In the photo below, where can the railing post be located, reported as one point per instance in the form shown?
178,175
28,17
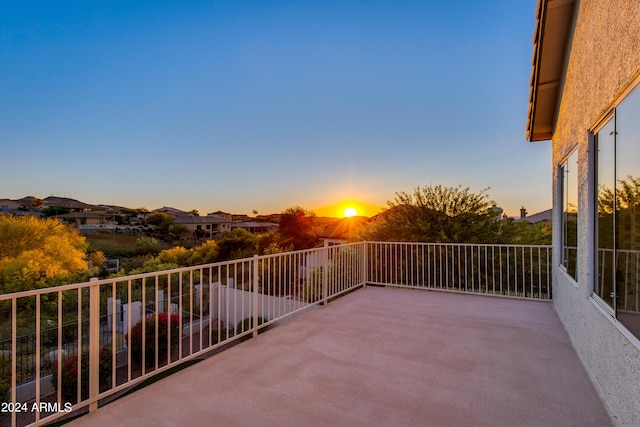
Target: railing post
255,295
14,371
94,344
365,264
325,274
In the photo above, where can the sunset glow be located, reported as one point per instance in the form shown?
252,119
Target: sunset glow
343,209
349,212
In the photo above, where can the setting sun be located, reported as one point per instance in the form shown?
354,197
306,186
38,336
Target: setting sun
348,208
349,212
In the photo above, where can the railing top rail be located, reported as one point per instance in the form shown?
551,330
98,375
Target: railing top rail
123,279
502,245
306,251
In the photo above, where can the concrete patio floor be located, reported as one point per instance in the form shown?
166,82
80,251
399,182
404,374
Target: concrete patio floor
382,357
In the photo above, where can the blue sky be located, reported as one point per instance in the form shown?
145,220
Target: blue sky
243,105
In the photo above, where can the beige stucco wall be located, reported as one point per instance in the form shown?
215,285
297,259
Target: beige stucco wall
604,62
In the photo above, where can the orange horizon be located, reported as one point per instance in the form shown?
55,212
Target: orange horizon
337,210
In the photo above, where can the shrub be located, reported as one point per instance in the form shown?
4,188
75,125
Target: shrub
5,391
135,343
22,376
69,381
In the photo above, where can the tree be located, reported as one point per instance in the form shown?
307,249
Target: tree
37,203
205,253
238,243
438,214
267,243
147,246
524,233
176,255
96,258
35,251
153,264
158,218
54,211
623,201
166,228
297,228
131,214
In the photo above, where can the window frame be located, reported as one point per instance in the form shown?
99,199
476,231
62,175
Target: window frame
593,202
563,168
610,117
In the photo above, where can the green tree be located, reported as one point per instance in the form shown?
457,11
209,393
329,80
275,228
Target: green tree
238,243
524,233
166,228
625,200
54,210
177,230
205,253
129,214
297,228
438,214
267,243
147,245
153,264
158,218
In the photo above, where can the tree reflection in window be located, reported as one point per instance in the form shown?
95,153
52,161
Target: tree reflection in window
569,171
618,212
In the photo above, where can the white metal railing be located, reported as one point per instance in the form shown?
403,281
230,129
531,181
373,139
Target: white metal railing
627,277
507,270
165,318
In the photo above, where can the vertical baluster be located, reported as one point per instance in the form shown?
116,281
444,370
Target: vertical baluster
14,373
144,325
114,330
129,289
94,345
156,321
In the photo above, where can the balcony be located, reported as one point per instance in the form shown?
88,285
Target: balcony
349,338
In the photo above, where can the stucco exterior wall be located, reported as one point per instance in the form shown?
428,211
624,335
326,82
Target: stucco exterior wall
604,61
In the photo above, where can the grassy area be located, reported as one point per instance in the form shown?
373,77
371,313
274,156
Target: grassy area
112,244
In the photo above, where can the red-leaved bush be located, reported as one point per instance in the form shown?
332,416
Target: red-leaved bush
164,347
69,381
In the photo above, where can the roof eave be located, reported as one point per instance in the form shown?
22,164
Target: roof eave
553,27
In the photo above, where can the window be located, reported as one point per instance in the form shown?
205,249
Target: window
617,216
569,190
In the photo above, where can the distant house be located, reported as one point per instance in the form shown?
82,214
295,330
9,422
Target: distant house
71,204
82,215
90,219
8,206
256,227
223,215
204,226
171,211
585,98
544,216
333,242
